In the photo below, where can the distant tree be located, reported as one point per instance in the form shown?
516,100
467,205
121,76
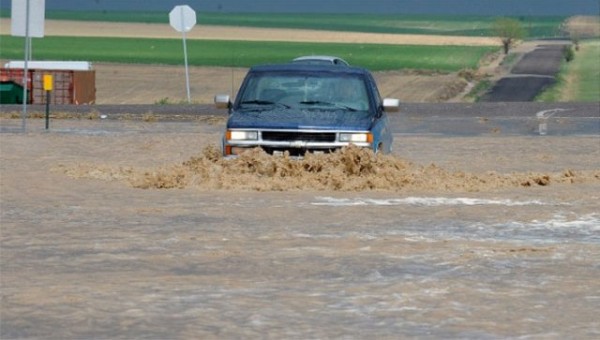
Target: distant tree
568,53
575,38
509,31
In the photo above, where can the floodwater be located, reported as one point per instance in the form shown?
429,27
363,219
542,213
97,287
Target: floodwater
87,254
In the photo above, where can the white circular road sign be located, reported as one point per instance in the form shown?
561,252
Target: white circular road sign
182,18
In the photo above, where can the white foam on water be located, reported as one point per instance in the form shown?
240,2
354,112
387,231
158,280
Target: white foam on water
422,201
588,222
559,228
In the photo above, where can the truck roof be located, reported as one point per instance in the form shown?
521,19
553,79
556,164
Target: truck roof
308,68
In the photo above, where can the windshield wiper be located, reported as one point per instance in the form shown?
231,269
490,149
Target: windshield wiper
263,102
324,103
317,102
258,102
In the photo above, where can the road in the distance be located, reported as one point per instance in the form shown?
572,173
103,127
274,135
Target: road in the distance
512,118
530,76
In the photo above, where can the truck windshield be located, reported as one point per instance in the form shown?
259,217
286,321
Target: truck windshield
301,90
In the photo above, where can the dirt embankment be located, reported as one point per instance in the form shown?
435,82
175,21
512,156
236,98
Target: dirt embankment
161,84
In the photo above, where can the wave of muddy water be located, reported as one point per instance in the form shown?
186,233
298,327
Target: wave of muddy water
474,237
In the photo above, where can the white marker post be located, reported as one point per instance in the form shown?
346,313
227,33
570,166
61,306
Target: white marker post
183,18
543,117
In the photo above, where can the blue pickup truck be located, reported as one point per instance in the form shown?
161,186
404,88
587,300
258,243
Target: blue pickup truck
303,107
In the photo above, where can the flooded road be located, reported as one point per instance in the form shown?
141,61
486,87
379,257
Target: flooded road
94,257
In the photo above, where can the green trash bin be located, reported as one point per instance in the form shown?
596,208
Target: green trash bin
11,93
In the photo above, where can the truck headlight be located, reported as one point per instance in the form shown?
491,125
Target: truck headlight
356,137
241,135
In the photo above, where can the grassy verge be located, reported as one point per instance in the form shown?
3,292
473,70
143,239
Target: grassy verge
578,80
244,53
480,88
406,24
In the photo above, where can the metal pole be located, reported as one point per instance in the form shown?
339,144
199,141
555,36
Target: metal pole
47,110
25,75
30,48
187,76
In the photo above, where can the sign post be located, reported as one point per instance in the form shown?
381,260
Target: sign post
183,18
27,20
48,87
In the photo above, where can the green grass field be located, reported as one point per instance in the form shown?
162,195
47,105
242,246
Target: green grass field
578,80
240,53
244,53
587,70
408,24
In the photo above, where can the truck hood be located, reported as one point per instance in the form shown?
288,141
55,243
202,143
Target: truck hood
294,119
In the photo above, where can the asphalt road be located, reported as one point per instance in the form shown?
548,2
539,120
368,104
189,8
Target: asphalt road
505,118
531,75
451,119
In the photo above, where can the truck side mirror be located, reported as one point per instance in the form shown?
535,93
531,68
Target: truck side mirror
391,105
222,101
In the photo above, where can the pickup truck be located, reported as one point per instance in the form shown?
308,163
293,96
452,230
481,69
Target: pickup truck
299,108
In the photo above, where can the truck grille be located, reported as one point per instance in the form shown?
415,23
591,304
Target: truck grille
287,136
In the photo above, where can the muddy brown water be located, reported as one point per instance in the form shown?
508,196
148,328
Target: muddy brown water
488,236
